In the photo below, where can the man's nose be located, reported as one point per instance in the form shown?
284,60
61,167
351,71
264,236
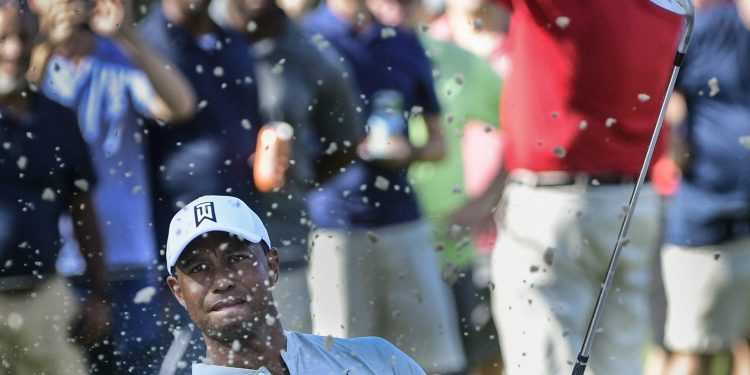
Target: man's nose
223,280
11,48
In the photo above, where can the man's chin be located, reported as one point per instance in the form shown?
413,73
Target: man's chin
228,329
10,84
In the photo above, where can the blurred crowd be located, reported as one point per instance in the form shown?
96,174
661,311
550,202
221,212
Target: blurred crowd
455,180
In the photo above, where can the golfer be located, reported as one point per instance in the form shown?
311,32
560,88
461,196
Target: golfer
222,270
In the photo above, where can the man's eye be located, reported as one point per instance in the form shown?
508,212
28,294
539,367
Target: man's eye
238,258
199,268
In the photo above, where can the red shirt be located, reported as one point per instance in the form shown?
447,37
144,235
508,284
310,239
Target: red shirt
587,81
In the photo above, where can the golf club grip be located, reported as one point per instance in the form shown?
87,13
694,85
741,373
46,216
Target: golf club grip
580,366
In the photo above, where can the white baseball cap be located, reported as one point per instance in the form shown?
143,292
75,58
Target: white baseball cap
212,213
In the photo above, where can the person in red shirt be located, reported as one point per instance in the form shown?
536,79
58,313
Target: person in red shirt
578,110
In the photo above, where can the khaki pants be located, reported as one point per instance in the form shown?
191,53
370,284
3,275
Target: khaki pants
34,329
708,296
385,282
553,250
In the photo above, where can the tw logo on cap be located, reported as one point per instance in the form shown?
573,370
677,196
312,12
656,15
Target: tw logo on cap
204,211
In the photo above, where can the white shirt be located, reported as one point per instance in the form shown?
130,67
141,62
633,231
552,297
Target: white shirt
311,354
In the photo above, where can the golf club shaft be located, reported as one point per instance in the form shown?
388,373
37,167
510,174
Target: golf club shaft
583,355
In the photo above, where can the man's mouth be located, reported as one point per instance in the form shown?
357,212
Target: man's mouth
227,303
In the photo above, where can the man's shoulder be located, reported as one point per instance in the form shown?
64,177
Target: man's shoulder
332,342
373,352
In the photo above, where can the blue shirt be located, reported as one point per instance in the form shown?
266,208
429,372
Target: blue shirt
712,204
311,354
43,163
381,58
207,155
109,94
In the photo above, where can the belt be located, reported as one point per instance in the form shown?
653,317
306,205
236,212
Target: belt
542,179
21,283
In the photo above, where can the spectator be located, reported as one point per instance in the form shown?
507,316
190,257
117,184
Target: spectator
297,86
44,171
578,111
370,240
100,67
208,154
468,90
223,268
707,251
479,26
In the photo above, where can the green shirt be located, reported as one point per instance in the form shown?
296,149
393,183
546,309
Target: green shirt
468,89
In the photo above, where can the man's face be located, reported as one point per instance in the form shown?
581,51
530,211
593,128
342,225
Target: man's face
194,6
224,283
469,6
251,10
393,12
15,47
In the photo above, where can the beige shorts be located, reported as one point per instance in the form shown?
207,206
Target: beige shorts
385,282
708,296
553,250
34,332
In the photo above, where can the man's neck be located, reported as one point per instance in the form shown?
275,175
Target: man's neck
270,25
16,103
353,12
196,23
487,20
79,45
262,350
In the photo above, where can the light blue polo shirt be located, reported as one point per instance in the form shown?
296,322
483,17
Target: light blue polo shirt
311,354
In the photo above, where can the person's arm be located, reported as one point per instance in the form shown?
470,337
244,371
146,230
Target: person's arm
176,100
96,311
476,212
55,29
679,146
434,149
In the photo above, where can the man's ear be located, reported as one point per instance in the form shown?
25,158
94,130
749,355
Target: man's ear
273,265
174,287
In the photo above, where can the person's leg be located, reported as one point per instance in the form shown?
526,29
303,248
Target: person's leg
658,356
343,284
42,324
8,335
417,312
540,290
684,363
478,331
707,293
553,250
622,338
136,334
741,357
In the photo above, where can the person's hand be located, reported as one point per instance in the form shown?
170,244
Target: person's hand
65,18
277,174
112,18
472,216
94,322
400,154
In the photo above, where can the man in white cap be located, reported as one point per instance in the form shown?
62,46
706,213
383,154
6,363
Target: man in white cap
222,270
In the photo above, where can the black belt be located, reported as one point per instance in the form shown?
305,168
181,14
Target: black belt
542,179
22,283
